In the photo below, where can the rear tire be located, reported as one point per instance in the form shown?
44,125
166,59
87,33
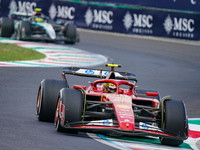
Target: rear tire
72,101
6,27
70,33
24,30
47,99
175,121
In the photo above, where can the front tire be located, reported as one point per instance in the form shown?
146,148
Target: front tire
6,27
47,99
70,32
175,121
69,109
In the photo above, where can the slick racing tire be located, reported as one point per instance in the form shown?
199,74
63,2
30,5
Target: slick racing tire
6,27
47,99
69,109
70,33
24,30
174,121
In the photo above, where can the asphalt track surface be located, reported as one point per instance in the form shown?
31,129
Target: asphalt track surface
171,67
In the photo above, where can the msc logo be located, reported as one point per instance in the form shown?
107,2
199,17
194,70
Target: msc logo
137,20
183,24
98,16
142,20
22,7
193,2
64,12
140,23
178,24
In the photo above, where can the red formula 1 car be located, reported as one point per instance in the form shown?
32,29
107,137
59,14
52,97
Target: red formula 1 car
112,105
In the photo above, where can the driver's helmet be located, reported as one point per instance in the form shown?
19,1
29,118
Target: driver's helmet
37,12
38,15
38,19
109,88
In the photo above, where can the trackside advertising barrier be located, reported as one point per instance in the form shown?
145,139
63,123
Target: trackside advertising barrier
112,18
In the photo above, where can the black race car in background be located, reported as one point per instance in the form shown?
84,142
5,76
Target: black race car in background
38,27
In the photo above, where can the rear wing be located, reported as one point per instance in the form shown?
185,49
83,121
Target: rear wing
98,73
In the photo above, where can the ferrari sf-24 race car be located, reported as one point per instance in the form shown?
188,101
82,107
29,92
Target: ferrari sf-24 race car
111,105
37,27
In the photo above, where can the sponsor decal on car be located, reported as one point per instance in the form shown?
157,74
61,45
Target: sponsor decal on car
89,72
106,73
146,126
108,122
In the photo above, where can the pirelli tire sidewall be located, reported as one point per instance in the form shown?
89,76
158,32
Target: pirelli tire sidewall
48,95
70,32
175,121
72,99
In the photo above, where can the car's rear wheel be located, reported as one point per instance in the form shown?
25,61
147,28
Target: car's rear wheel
175,121
69,109
24,30
70,33
47,99
6,27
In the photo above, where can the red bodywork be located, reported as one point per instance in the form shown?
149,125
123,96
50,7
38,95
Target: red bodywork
126,103
122,101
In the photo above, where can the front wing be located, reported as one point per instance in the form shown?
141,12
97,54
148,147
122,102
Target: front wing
45,37
141,129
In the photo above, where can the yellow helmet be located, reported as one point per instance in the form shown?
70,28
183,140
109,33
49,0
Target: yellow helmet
109,88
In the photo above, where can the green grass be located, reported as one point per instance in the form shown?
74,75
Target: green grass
12,52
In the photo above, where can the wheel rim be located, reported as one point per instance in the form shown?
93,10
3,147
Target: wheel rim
57,111
38,101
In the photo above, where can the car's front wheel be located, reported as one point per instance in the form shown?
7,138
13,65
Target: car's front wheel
174,120
6,27
69,109
70,32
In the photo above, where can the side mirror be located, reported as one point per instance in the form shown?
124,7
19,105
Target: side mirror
121,91
152,94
